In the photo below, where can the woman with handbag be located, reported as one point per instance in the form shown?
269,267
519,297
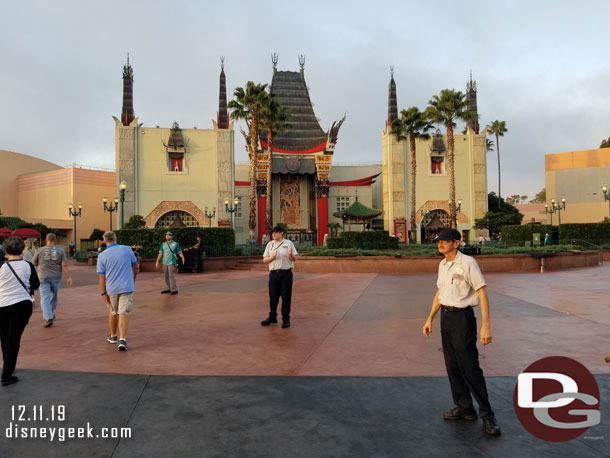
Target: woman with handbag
18,280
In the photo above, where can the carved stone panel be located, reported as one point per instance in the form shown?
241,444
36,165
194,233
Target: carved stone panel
290,200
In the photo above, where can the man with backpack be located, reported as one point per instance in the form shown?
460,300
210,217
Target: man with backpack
168,257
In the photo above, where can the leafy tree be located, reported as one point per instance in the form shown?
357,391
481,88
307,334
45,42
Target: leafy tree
540,197
412,125
500,214
498,128
135,222
446,108
249,105
605,143
97,234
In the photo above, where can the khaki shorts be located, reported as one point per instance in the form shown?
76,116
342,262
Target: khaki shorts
120,304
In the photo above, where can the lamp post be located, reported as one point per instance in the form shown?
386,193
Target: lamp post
211,215
75,213
122,188
606,197
110,208
555,208
231,209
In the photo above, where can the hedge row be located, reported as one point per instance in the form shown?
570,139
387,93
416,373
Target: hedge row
582,231
366,240
185,236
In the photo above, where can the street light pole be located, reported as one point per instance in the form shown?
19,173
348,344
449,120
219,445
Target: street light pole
74,214
555,208
209,216
110,208
122,188
231,209
607,197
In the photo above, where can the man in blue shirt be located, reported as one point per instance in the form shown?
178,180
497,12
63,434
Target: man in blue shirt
117,268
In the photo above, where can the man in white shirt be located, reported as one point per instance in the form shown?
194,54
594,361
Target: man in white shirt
460,288
280,255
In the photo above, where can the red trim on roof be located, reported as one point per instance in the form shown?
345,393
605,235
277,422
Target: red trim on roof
315,149
367,181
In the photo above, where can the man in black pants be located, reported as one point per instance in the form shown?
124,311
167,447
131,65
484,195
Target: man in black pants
460,287
280,255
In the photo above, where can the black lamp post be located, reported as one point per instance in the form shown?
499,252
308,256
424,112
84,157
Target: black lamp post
231,209
555,208
607,197
122,188
110,208
211,215
74,213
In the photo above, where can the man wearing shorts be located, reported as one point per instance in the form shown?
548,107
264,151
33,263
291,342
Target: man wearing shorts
117,268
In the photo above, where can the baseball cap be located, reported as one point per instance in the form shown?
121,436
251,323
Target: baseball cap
278,229
449,234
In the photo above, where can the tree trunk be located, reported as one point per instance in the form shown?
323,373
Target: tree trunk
268,217
253,148
450,159
498,151
413,237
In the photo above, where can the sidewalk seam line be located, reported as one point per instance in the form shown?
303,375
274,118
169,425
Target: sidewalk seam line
131,414
296,370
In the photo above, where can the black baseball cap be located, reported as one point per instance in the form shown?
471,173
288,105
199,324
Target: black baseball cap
449,234
278,229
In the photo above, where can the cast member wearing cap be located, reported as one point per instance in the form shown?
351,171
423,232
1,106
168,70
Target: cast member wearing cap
168,255
280,255
460,288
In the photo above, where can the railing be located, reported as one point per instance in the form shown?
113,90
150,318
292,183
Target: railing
587,243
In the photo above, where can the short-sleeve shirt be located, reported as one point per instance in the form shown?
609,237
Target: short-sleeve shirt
115,263
282,261
49,259
459,281
11,290
168,257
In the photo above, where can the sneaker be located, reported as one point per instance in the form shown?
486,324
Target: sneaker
122,344
491,427
165,291
48,324
286,324
112,339
10,380
458,413
269,321
174,292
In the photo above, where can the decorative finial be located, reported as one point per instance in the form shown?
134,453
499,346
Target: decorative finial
302,61
274,59
391,71
127,58
222,62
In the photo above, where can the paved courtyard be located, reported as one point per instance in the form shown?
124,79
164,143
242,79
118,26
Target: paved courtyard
203,378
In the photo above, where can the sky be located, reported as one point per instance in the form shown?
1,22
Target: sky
542,66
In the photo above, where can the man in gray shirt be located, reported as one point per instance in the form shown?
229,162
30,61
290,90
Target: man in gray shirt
51,261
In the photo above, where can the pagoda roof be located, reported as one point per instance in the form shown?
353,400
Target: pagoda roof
305,135
357,210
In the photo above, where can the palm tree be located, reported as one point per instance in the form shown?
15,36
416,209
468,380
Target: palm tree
446,108
275,120
489,145
249,104
498,128
413,124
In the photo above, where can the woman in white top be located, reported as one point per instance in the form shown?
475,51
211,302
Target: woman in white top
28,252
18,280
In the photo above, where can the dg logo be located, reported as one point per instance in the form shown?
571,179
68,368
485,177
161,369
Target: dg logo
557,399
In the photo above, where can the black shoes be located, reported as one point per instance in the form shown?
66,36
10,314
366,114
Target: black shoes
286,324
174,292
9,381
491,427
269,321
458,413
165,291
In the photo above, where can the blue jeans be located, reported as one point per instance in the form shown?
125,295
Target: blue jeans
48,297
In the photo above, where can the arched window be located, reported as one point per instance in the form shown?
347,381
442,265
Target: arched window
177,218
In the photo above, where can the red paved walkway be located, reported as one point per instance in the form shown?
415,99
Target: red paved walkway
343,324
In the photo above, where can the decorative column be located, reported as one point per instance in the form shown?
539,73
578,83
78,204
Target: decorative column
322,188
261,210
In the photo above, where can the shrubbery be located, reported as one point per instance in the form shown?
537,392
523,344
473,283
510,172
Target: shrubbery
366,240
577,231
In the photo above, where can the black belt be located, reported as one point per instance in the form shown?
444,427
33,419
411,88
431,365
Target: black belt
448,308
280,270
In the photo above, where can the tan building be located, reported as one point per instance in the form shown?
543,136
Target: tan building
432,181
533,213
578,176
44,195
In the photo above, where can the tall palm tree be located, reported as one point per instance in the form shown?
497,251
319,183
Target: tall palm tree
275,120
249,104
446,108
413,124
498,128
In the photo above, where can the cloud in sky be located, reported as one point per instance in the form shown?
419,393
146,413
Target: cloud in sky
540,66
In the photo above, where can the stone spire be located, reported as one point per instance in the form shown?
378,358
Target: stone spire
127,114
392,101
471,97
222,117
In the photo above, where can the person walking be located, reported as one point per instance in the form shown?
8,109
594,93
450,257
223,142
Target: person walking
18,281
51,261
280,254
117,268
460,288
28,252
168,257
